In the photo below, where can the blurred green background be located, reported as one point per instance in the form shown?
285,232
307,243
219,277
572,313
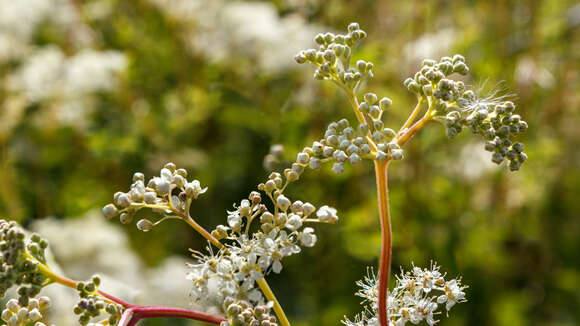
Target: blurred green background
91,91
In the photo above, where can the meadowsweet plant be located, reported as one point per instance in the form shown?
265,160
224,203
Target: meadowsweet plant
228,276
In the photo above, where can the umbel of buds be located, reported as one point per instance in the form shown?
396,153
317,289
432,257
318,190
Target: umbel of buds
333,57
91,305
170,192
242,313
19,258
17,315
456,107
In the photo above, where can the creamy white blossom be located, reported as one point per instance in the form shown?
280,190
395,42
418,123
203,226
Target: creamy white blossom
415,297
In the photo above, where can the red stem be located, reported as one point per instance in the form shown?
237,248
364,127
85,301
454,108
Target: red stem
115,299
132,315
386,243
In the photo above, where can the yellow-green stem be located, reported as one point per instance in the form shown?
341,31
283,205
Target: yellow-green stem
413,115
203,232
270,296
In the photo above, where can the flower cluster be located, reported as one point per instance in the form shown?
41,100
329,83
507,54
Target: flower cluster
241,313
91,304
250,253
416,297
457,107
19,315
20,256
333,57
344,144
430,79
168,193
497,123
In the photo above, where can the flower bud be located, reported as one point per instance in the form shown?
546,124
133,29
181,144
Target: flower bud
109,211
138,176
371,98
397,154
283,202
315,163
338,168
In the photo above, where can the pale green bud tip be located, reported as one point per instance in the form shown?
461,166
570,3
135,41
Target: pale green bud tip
385,102
144,225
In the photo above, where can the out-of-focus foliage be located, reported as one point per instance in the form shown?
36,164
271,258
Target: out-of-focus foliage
91,91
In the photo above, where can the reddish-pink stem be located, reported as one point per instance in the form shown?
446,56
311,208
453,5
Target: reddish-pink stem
386,235
135,313
115,299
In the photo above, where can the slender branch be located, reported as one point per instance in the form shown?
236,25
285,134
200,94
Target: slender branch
413,115
203,232
413,130
50,274
270,296
132,315
386,242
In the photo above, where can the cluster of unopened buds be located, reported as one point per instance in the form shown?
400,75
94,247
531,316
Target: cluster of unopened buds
333,56
17,315
242,313
20,255
344,144
168,193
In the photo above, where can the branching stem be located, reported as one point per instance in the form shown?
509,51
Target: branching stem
132,315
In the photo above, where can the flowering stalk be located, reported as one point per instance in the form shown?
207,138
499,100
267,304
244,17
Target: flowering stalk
53,277
386,239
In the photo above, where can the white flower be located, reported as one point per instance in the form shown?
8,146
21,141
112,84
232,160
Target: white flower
294,222
412,299
327,214
308,238
194,189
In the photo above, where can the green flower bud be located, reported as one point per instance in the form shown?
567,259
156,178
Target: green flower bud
364,107
125,218
497,158
319,39
358,141
374,111
302,158
344,144
353,27
381,156
340,156
352,149
327,151
354,158
385,102
460,68
371,98
397,154
365,149
389,133
458,58
343,123
338,168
